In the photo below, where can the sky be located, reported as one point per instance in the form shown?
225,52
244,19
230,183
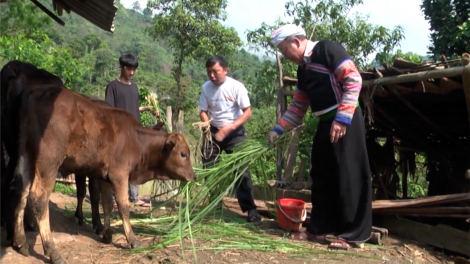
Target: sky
249,14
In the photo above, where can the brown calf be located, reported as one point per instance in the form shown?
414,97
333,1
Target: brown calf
65,131
94,189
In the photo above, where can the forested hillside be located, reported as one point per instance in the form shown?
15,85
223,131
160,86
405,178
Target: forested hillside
87,57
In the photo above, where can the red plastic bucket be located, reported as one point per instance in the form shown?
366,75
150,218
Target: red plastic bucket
291,213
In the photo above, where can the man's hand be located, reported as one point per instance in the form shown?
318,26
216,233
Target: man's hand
223,132
337,131
156,113
272,136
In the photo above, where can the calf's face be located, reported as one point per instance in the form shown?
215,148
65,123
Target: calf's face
176,160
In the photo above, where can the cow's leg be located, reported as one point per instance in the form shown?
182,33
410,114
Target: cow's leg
21,185
122,196
29,219
10,196
80,181
107,203
42,187
94,189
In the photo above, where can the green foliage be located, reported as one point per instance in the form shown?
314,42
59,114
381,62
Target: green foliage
22,17
64,189
330,20
193,31
450,26
410,56
43,55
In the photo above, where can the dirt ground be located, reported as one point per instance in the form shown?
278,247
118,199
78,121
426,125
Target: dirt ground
79,244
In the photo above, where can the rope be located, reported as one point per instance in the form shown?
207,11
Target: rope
205,141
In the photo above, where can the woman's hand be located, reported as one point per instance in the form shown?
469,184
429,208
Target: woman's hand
337,131
273,135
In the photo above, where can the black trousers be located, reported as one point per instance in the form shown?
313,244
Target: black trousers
245,187
341,189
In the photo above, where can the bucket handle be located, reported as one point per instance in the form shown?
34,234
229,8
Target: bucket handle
304,216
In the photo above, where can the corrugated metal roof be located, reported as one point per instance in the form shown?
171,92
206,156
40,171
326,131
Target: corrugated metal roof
99,12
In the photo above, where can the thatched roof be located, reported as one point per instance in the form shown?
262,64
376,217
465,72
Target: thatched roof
424,106
100,13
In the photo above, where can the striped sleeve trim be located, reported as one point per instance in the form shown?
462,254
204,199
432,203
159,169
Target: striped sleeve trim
348,75
294,114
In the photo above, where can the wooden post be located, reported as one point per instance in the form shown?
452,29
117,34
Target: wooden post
180,126
292,155
280,109
300,172
169,118
404,175
466,89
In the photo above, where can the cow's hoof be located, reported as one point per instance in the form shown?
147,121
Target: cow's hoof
57,259
79,218
23,249
135,244
107,237
99,229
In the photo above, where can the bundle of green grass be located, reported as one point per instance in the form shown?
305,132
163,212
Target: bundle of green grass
197,216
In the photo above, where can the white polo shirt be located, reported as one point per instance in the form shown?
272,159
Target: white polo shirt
224,102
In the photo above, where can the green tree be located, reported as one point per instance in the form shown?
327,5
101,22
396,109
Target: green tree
44,55
331,20
22,17
193,31
450,26
92,42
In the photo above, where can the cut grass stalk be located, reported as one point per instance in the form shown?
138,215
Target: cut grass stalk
215,183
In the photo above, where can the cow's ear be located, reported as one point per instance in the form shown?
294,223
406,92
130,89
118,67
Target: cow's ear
170,143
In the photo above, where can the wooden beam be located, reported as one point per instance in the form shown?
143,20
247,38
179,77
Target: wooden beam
289,81
288,93
425,118
48,12
447,85
426,210
301,185
414,77
426,201
440,236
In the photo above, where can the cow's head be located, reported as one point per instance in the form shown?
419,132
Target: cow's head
175,162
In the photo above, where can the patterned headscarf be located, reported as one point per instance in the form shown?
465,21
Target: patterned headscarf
286,31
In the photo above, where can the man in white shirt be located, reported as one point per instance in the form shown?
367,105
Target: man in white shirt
226,101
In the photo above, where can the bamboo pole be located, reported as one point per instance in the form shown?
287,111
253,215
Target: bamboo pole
413,77
280,108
